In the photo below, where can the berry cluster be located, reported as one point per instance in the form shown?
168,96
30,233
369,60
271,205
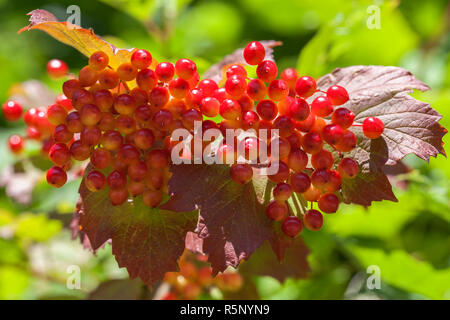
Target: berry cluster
122,119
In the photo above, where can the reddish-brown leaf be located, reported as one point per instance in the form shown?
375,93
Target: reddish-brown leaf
148,242
411,126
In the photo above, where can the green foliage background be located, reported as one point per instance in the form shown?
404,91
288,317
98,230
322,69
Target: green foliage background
409,241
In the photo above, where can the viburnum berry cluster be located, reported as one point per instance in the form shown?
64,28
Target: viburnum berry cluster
122,119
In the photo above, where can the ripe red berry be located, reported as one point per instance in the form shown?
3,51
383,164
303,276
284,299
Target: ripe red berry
276,210
373,127
56,177
297,160
313,220
141,59
337,95
158,159
347,142
159,97
343,117
334,181
126,71
254,53
321,106
73,121
179,88
305,86
116,180
118,196
137,170
279,148
292,226
165,71
80,151
91,136
285,126
189,117
57,68
144,139
90,115
256,89
15,143
87,76
282,174
125,104
320,178
267,71
290,76
162,119
332,133
81,97
128,153
235,86
108,79
241,173
100,158
322,160
278,90
236,69
267,110
33,133
98,60
210,106
208,87
146,79
348,168
282,192
230,109
185,69
312,143
299,109
95,181
12,110
250,119
59,154
328,203
300,182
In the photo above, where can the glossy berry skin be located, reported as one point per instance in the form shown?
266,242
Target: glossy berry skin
297,160
276,211
282,192
348,168
292,226
165,71
141,59
118,196
299,109
98,60
15,143
241,173
279,148
100,158
312,142
373,127
347,142
95,181
208,86
189,117
290,76
80,151
337,95
282,173
210,106
254,53
236,69
235,86
230,109
343,117
267,110
116,180
56,177
250,119
12,110
278,90
59,154
305,86
267,71
57,68
328,203
322,160
321,106
332,133
159,97
313,220
256,89
285,126
185,69
146,79
300,182
179,88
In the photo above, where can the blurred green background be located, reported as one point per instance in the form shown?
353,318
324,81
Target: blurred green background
409,240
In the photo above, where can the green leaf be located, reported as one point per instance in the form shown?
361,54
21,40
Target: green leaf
37,227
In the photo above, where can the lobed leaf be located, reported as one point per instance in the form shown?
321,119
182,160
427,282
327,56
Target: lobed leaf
148,242
85,41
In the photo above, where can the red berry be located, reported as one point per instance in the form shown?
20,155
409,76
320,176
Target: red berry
276,211
118,196
189,117
279,148
220,94
108,79
59,154
267,71
343,117
305,86
373,127
299,109
285,126
56,177
100,158
347,142
278,90
282,174
33,133
195,97
185,68
165,71
250,119
95,181
297,160
320,178
57,68
282,192
125,104
236,69
158,159
334,181
80,151
144,139
146,79
12,110
137,170
230,109
116,180
235,86
321,106
90,115
15,143
126,71
87,76
307,124
159,97
332,133
267,109
292,226
98,60
179,88
300,182
141,59
208,86
73,122
254,53
128,153
348,168
162,119
210,106
91,136
290,76
241,173
328,203
256,89
312,143
322,160
337,95
313,220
